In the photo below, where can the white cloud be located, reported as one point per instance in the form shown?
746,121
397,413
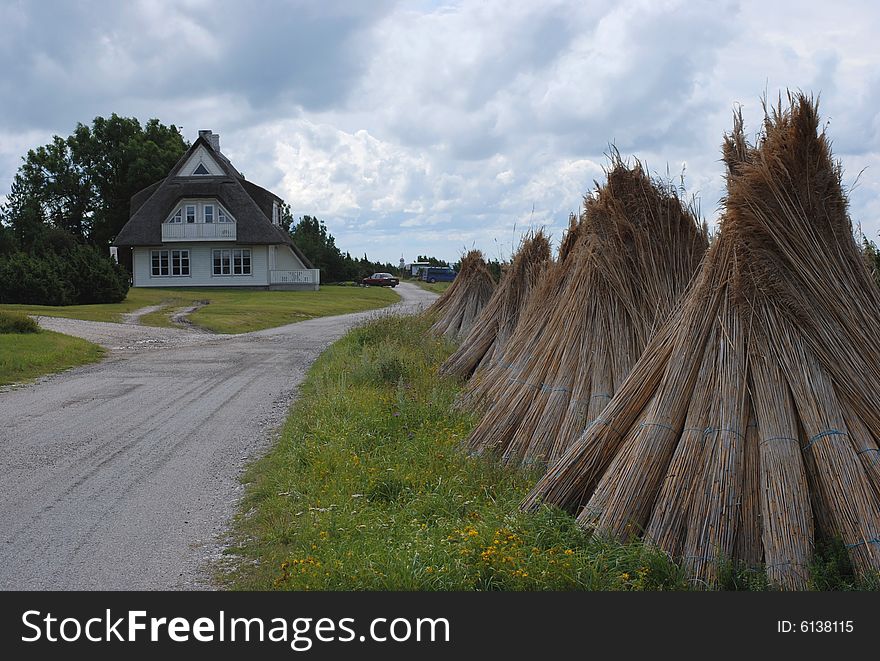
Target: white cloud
423,128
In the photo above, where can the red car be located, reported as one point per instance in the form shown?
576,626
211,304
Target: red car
380,280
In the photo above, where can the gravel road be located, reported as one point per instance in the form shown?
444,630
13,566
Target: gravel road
124,475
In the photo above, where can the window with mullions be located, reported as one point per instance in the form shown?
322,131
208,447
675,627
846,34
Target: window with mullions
201,212
180,262
169,263
232,261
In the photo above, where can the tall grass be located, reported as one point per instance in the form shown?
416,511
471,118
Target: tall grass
367,489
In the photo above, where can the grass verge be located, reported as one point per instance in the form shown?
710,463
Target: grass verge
366,489
437,287
25,356
229,310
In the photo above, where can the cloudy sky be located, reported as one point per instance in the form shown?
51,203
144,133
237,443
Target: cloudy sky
418,127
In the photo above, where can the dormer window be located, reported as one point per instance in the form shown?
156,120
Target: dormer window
201,169
276,214
194,212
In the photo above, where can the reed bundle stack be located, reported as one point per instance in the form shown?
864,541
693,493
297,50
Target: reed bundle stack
459,307
494,327
636,247
492,377
749,426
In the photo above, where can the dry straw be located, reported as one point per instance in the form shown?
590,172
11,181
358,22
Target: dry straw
749,426
623,265
459,307
496,323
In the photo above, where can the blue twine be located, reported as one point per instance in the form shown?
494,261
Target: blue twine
787,562
655,424
601,394
823,434
601,421
779,438
868,450
712,430
876,540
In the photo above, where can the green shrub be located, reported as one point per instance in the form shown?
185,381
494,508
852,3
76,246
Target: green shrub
95,277
33,280
12,322
80,275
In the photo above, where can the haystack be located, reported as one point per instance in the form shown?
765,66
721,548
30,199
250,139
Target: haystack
637,247
461,304
494,327
749,426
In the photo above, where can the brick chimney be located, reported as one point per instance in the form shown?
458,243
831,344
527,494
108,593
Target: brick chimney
212,138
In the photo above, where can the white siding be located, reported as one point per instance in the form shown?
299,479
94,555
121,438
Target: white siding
201,267
286,259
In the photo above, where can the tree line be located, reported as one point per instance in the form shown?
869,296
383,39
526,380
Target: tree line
312,237
68,200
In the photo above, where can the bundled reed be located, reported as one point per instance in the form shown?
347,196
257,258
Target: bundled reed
459,307
625,263
492,377
749,426
495,326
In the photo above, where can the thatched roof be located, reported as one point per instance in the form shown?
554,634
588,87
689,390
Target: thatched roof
749,426
625,264
249,204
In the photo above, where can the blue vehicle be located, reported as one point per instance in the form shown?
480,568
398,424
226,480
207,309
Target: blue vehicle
438,274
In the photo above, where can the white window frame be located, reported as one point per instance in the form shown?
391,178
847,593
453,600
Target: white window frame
201,212
180,266
235,262
169,261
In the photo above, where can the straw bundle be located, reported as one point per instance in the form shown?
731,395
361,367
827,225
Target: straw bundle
492,377
460,305
749,426
635,249
496,323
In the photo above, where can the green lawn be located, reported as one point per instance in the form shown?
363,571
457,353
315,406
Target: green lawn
367,489
137,298
26,356
229,310
437,287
